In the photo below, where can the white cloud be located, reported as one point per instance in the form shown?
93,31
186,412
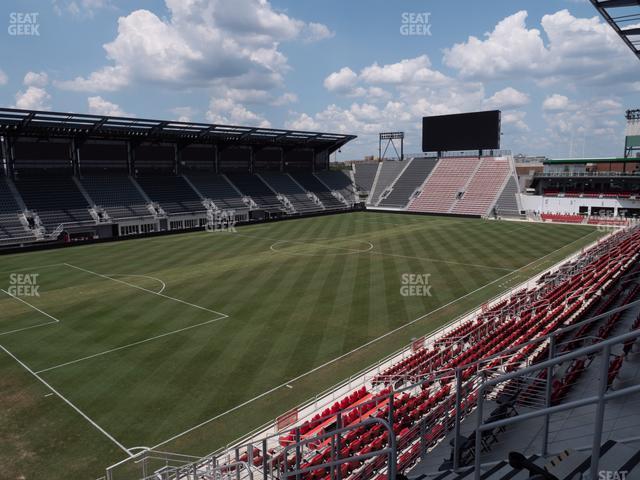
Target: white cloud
507,98
318,31
341,81
413,70
303,122
284,99
418,90
226,111
33,98
100,106
34,79
555,102
582,122
578,50
183,114
202,43
4,79
80,8
508,48
514,121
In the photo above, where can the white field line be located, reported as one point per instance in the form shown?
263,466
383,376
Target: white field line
32,268
319,367
88,357
347,251
80,412
164,285
53,319
146,290
369,250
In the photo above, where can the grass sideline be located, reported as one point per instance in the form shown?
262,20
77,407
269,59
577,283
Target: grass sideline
287,296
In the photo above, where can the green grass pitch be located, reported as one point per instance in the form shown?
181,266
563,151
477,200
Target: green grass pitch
150,337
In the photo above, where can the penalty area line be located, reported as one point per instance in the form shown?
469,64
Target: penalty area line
64,399
53,319
145,289
140,342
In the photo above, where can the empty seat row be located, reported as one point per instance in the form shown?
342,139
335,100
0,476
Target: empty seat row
408,182
389,171
285,185
444,185
56,200
311,183
117,194
174,195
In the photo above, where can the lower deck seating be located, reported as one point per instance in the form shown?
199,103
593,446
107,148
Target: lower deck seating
364,175
412,177
482,191
507,204
10,226
57,201
217,189
8,203
389,171
564,218
283,184
252,186
312,184
340,182
12,229
117,195
174,194
445,184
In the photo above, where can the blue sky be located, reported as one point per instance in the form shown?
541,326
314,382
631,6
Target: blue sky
561,77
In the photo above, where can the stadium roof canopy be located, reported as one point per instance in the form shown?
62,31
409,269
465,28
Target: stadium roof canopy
557,161
33,123
624,18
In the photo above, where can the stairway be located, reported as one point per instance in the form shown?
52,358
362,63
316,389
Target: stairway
617,461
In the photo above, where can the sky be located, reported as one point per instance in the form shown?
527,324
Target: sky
561,77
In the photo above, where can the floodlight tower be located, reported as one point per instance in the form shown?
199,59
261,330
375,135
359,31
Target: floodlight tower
389,137
632,137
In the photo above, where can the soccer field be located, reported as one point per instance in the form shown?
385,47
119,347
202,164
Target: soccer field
132,344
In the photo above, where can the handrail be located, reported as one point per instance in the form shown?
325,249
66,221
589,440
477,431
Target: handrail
600,399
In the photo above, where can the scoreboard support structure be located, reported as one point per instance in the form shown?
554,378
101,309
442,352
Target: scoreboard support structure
389,137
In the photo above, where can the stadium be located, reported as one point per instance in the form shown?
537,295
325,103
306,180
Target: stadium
205,300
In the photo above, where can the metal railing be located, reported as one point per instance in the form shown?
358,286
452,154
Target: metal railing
585,174
600,398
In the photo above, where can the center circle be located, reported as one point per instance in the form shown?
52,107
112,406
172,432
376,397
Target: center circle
321,248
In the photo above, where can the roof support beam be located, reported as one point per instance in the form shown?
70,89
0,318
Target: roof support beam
615,22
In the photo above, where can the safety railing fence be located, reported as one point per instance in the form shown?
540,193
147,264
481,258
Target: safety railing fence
553,173
148,464
600,353
461,154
